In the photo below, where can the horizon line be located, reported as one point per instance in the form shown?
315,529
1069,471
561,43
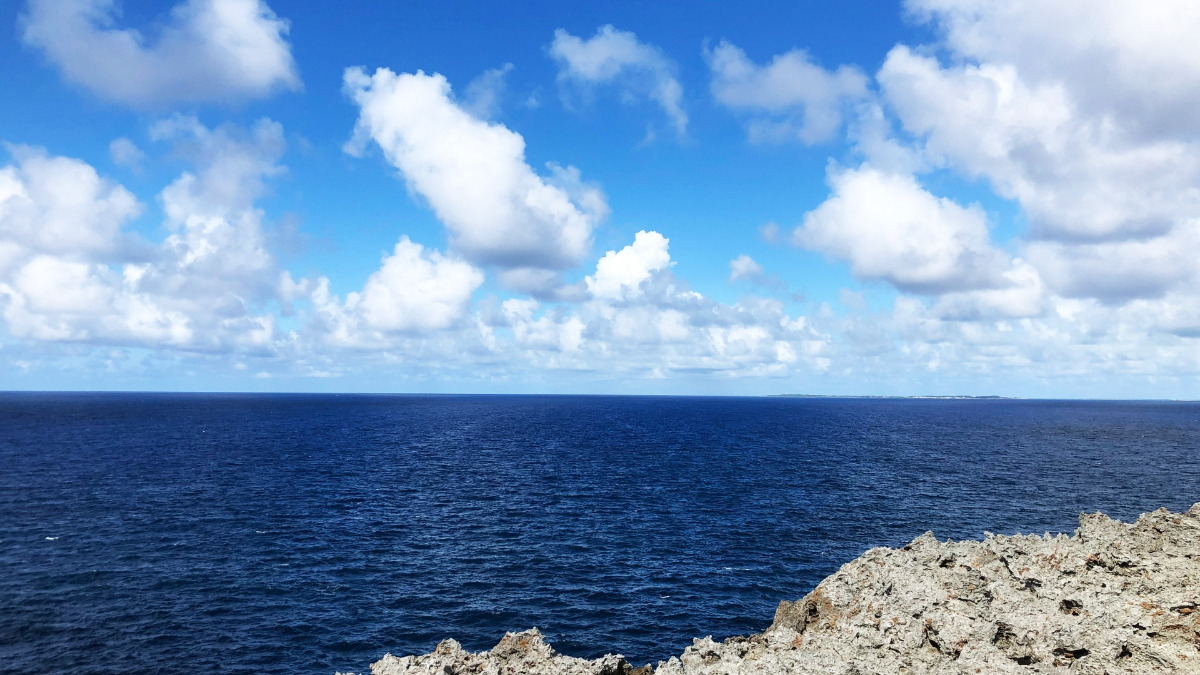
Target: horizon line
936,397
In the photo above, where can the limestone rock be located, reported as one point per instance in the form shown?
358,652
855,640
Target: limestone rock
1113,598
524,653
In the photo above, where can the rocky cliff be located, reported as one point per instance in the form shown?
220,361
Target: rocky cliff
1113,598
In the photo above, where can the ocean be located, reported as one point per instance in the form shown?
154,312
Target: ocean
169,533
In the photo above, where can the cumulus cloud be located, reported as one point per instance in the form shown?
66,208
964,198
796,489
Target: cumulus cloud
636,320
61,206
1076,176
619,274
744,267
1071,119
1133,62
1064,109
638,301
474,176
206,286
553,331
125,152
1078,347
639,318
69,271
1080,113
210,51
60,223
1018,293
1120,271
413,291
888,227
618,58
216,235
789,98
53,299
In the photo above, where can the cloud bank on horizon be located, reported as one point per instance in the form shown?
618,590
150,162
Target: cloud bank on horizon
1080,116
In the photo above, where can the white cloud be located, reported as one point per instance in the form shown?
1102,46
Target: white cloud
1121,271
1076,176
1085,124
68,271
1078,348
744,267
1019,293
205,287
417,291
644,324
125,152
61,206
1080,112
210,51
1134,62
53,299
548,332
1080,122
638,321
541,283
617,57
483,93
619,274
888,227
474,176
640,317
216,231
790,98
55,286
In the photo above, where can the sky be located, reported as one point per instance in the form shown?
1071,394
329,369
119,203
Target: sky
927,197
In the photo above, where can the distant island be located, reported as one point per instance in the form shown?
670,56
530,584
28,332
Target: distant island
953,398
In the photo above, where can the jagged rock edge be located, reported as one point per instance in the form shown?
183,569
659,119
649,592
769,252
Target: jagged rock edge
1112,598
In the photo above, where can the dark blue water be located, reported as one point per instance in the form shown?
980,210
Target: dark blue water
303,534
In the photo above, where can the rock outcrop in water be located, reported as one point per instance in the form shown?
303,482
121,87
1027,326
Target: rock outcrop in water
1113,598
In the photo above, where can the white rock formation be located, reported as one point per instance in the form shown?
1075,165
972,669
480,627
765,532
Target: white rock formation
517,653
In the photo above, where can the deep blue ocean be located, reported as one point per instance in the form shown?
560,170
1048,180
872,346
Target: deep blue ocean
170,533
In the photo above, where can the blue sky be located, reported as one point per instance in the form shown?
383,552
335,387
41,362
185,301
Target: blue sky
930,197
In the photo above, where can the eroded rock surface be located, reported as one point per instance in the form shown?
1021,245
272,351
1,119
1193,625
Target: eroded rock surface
1113,598
517,653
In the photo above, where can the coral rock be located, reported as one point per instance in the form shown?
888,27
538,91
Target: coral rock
1113,598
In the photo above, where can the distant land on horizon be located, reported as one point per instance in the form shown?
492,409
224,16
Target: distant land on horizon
952,397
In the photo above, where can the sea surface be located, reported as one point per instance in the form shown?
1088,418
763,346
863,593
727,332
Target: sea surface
171,533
